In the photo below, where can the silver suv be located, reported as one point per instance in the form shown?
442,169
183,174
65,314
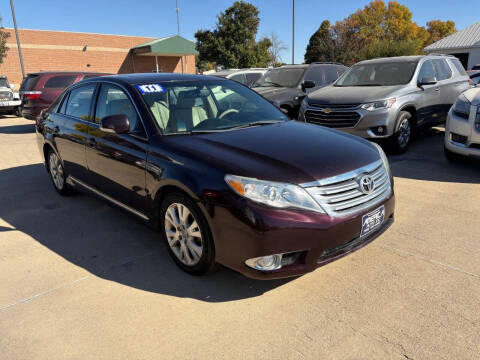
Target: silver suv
389,98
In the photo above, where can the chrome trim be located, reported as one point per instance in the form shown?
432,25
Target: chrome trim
110,131
74,181
345,176
371,134
318,109
341,195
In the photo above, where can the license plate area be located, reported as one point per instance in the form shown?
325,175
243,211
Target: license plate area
372,221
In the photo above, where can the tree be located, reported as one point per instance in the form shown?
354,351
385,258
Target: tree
3,43
438,29
275,50
232,43
321,46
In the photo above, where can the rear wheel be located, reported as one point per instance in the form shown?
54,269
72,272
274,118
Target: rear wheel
57,174
401,139
187,235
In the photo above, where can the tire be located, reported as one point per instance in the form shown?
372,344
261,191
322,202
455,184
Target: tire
188,240
57,173
400,141
452,157
17,112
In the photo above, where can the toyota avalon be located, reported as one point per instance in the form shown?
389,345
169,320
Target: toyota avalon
221,173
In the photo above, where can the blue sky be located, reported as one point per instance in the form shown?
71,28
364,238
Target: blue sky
157,18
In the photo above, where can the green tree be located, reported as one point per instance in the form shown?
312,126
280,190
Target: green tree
321,46
3,43
232,43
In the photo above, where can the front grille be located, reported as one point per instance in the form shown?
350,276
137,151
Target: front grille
6,96
341,195
333,119
336,106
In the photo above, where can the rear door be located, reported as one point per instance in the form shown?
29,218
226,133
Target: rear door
71,129
429,102
446,83
117,162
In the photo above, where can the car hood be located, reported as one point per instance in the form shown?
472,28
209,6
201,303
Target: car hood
277,93
473,95
290,151
352,94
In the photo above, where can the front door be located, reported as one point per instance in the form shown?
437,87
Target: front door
429,106
117,162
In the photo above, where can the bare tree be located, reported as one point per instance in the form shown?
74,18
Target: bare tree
278,46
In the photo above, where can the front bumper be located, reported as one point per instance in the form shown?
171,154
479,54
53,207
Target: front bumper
9,105
470,145
252,230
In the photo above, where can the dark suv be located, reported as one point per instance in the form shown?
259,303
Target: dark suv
288,85
220,171
39,90
389,98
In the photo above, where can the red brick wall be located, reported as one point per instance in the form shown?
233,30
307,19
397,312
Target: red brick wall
57,50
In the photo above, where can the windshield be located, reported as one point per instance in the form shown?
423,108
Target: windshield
205,106
3,82
378,74
285,77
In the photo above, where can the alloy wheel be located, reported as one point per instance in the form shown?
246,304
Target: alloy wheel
183,234
404,133
56,171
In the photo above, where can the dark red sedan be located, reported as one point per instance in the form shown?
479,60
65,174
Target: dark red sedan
221,173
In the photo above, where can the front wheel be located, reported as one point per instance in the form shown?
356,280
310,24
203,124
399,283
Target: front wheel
401,139
187,235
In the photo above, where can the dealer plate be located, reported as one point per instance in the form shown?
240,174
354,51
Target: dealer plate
373,220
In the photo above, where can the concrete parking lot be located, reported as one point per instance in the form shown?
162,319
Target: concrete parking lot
80,279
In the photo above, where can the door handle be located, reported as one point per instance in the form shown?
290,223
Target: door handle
437,89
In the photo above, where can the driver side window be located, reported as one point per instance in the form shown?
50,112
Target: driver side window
427,70
112,100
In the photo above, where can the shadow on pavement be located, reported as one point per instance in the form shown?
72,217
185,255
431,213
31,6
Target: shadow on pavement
107,242
426,161
18,129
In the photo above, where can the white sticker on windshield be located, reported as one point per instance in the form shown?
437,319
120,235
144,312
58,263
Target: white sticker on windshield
150,88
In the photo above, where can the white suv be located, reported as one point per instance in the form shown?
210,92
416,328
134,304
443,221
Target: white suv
244,76
9,101
462,130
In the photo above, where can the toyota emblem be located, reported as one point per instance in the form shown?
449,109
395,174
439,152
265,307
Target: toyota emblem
366,184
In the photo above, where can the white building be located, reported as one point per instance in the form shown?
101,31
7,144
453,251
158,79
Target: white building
464,44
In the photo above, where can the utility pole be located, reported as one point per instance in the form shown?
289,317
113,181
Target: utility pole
178,19
18,39
293,32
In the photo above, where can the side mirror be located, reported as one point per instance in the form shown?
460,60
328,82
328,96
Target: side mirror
308,84
427,80
115,124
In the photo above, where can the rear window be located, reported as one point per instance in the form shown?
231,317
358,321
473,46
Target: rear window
29,82
458,65
60,82
79,102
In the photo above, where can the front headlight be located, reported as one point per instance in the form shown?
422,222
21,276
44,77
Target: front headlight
384,158
462,106
275,194
383,104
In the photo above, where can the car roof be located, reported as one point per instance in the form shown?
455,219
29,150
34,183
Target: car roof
394,59
65,73
144,78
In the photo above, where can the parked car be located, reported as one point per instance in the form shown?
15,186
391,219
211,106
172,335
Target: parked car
39,90
389,98
241,186
247,77
287,85
474,76
462,130
9,101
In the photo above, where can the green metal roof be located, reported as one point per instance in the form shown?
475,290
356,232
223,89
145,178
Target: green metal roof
172,45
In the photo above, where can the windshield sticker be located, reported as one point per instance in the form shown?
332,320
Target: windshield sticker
150,88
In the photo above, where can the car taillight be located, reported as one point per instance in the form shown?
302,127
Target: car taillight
31,95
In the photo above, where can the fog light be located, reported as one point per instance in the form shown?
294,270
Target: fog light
266,263
379,130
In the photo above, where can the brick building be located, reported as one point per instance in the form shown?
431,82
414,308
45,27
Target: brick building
44,50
